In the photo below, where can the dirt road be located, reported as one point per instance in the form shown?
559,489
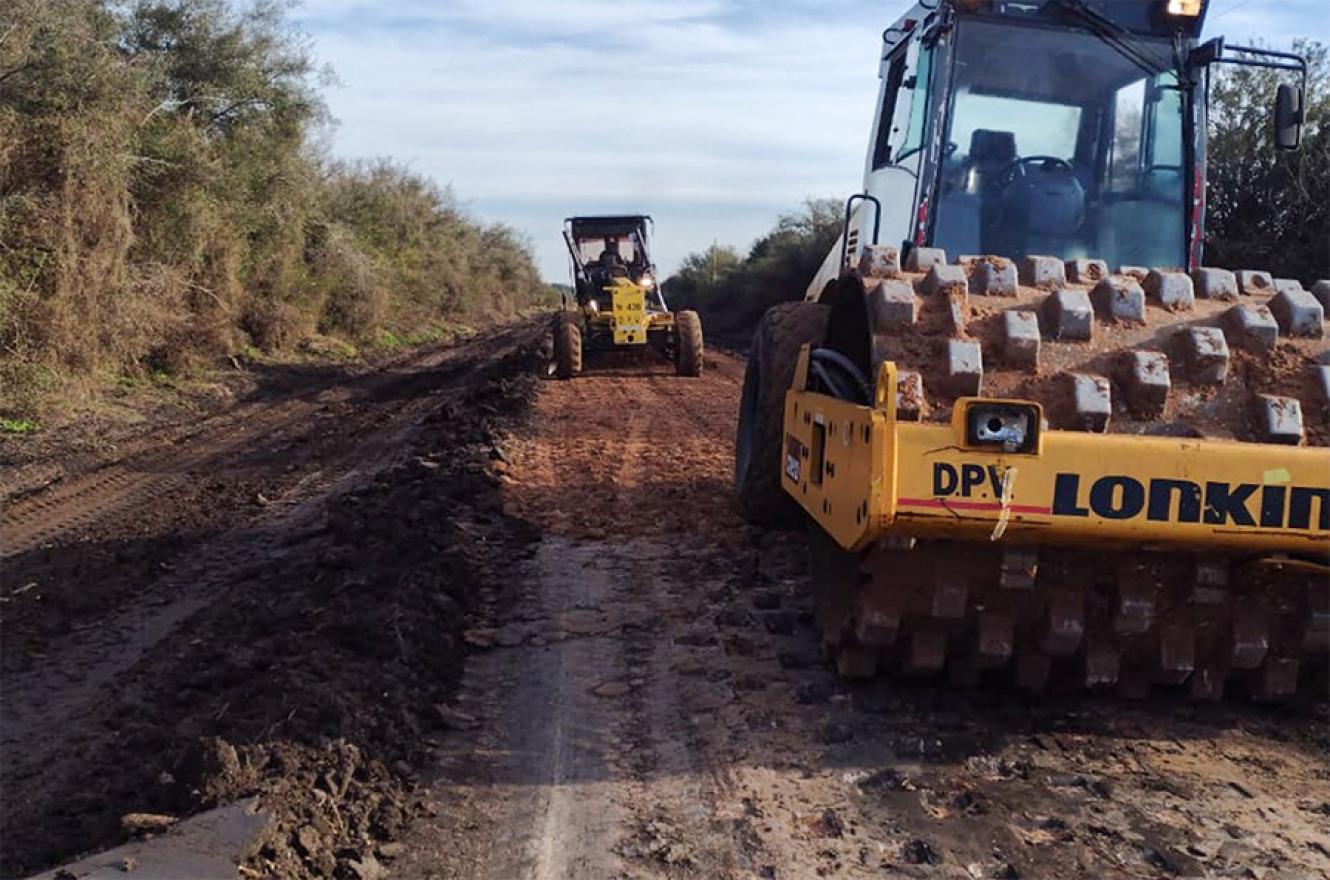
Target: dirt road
652,703
643,694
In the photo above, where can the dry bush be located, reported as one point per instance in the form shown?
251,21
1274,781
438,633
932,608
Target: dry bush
161,204
276,326
355,302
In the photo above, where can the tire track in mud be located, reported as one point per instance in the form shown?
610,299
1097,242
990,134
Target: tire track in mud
44,698
85,500
610,770
46,701
55,499
679,818
245,433
129,524
653,703
577,830
128,631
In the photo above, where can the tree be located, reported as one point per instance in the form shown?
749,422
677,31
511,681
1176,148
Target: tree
1267,209
702,278
732,293
712,265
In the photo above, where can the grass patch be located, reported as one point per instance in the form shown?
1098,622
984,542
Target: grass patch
249,354
329,348
438,332
387,339
17,426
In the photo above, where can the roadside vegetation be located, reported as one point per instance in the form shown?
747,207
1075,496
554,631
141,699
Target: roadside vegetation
731,290
1266,210
164,205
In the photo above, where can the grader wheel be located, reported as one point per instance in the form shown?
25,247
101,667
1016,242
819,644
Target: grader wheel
567,345
688,344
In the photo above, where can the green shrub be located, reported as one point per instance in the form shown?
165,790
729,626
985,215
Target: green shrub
732,292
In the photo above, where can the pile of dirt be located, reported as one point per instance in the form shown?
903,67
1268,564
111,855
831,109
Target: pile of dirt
317,683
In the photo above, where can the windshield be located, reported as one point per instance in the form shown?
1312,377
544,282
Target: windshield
1072,150
591,249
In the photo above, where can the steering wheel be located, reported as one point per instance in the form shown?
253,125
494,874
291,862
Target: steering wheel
1049,201
1016,168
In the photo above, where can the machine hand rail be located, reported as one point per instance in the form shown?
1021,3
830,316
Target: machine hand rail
1295,62
849,210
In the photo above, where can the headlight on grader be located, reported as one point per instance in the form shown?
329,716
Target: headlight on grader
647,281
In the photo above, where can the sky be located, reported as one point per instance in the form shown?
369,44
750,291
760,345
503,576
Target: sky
714,117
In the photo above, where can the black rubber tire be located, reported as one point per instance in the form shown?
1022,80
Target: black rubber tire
757,444
567,345
688,343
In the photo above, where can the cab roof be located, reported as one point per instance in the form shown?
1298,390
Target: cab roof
596,226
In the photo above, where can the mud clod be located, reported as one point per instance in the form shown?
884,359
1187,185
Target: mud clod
146,823
829,824
920,852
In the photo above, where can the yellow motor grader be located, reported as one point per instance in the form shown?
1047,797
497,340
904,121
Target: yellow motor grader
618,303
1037,436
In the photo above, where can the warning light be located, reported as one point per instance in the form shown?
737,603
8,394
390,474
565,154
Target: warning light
1185,8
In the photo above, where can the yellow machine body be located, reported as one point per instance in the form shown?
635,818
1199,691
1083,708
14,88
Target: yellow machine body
862,474
628,317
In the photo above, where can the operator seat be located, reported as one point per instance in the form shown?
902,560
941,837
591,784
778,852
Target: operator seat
990,152
608,266
969,210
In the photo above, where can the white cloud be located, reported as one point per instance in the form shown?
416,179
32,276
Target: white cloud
663,109
714,116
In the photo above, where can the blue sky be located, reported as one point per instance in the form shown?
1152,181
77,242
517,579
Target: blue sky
713,116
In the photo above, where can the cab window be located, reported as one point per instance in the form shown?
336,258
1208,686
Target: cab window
901,119
891,88
914,133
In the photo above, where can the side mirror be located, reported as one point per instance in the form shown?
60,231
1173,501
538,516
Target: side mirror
1288,117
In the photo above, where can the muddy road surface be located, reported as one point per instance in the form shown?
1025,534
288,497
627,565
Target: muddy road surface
267,601
483,625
